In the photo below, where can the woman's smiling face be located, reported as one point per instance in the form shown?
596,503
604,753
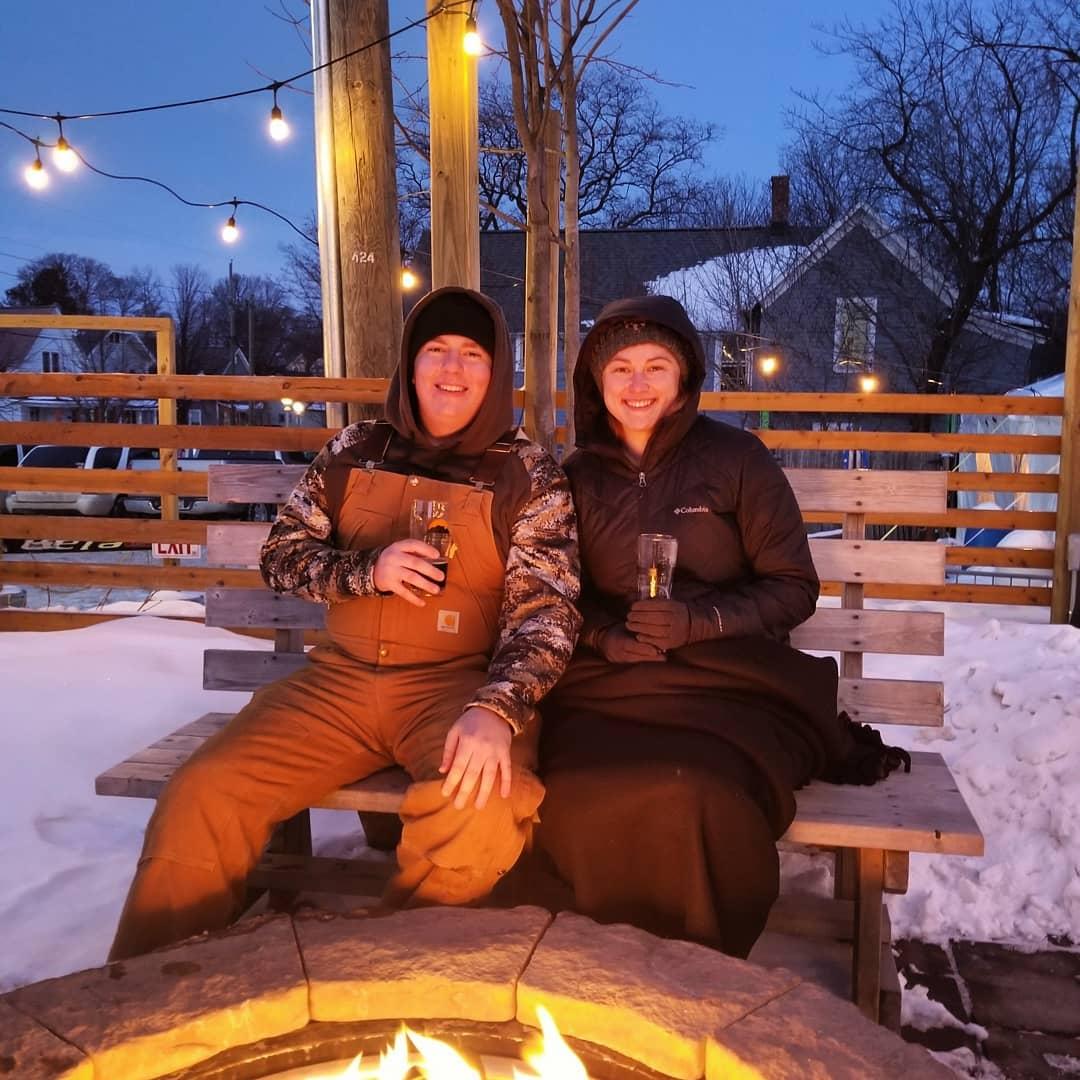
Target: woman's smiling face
640,385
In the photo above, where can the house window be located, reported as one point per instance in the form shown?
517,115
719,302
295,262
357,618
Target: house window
50,361
855,333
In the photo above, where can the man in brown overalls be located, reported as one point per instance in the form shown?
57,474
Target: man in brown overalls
439,673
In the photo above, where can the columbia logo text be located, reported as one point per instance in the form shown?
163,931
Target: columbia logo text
691,510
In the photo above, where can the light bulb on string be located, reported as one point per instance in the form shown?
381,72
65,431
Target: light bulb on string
472,43
64,158
35,173
409,280
229,232
278,127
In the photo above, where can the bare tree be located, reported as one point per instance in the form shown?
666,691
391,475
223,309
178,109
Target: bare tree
190,312
970,127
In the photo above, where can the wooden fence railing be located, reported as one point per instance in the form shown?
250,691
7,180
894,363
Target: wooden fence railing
1019,565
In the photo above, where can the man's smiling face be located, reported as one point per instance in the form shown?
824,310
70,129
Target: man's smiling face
451,374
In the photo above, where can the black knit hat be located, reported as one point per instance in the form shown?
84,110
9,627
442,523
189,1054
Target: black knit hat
620,335
453,313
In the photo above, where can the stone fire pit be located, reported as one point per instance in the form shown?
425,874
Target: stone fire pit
277,992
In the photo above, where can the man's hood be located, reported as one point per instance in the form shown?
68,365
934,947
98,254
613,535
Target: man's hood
496,415
590,415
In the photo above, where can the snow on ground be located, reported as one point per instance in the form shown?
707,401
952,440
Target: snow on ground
77,701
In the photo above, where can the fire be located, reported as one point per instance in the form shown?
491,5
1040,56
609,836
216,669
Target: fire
548,1057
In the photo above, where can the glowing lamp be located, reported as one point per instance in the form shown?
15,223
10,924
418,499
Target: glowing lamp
472,43
768,365
408,279
35,174
229,232
64,158
278,127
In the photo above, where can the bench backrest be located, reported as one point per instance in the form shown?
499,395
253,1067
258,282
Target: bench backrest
851,561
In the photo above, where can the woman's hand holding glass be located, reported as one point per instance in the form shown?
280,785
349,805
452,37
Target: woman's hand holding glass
618,646
663,624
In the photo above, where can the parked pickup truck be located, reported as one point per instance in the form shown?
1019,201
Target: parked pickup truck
194,506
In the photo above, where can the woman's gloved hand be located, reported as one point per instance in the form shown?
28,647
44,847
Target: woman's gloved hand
663,624
618,646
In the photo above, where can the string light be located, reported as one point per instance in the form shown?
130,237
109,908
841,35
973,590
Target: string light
472,43
35,173
868,383
279,129
229,232
409,280
64,158
768,365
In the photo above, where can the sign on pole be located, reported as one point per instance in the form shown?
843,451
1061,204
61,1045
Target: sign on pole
164,550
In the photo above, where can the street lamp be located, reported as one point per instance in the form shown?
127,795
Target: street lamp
869,383
768,365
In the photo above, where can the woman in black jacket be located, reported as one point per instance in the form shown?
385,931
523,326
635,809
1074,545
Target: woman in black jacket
674,743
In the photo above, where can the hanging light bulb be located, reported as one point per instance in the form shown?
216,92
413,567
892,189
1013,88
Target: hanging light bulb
278,127
229,232
64,158
472,43
409,280
35,173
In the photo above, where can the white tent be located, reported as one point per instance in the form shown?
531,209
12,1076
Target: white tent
1054,386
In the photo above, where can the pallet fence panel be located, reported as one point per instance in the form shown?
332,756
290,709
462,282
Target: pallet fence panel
974,575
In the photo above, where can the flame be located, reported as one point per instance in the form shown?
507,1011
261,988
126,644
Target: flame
548,1055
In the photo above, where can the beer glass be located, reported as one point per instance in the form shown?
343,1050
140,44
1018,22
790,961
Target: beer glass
656,554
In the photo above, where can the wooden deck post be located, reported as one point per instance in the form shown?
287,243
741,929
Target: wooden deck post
365,186
1068,507
455,170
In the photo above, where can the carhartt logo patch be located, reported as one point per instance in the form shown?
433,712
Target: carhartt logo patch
448,622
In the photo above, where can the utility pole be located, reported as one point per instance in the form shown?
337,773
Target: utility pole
455,168
358,219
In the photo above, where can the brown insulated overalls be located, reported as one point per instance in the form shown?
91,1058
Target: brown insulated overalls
387,691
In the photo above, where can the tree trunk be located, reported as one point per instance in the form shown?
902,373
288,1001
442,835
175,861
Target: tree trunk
370,252
539,367
571,241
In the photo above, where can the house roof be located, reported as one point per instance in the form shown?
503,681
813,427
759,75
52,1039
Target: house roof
17,342
990,323
614,262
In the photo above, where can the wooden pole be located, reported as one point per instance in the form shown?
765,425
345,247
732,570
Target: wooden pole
165,349
1068,508
455,167
366,190
552,194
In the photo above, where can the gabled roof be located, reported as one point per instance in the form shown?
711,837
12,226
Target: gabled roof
615,262
16,342
985,322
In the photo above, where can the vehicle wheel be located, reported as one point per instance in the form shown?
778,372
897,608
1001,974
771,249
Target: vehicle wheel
264,512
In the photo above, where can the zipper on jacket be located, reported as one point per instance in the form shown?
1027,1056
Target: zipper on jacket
640,479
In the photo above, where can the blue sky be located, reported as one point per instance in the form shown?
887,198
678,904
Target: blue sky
736,65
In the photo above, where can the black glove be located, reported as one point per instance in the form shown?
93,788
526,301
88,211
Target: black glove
664,624
670,624
618,646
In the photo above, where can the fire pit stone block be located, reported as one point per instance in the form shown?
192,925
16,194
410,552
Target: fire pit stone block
650,999
429,963
170,1009
30,1052
811,1034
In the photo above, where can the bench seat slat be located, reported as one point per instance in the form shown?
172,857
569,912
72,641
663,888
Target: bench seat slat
920,811
234,543
878,490
262,608
257,482
245,669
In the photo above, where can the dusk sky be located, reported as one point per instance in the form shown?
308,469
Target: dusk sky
738,66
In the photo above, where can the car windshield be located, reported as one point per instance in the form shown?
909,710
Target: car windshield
236,455
56,457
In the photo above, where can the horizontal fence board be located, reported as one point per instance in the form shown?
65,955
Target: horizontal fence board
921,633
105,481
129,530
869,404
1022,558
950,519
105,576
898,562
236,543
165,436
262,608
856,491
192,387
933,442
917,811
990,481
952,593
241,669
252,483
140,323
23,619
893,701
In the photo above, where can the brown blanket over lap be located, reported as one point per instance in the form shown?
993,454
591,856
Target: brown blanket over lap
774,703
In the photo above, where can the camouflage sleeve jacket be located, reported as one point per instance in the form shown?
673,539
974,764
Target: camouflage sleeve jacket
538,623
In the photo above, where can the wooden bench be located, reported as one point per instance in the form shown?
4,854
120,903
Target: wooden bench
872,830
